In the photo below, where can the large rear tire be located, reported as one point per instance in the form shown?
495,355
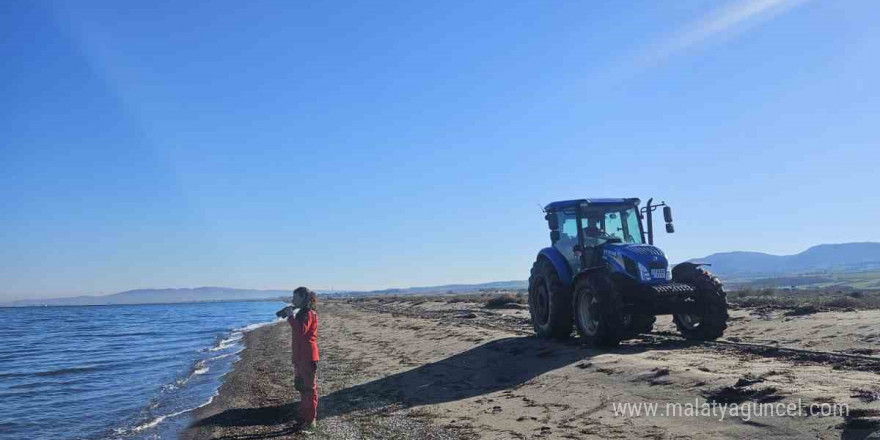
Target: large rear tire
549,301
598,311
712,321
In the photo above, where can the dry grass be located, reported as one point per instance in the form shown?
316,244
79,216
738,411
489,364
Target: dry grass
489,299
804,302
796,302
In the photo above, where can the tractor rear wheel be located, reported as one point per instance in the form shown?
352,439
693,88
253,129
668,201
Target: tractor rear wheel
549,301
598,311
711,323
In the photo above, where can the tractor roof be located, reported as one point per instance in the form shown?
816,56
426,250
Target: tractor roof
563,204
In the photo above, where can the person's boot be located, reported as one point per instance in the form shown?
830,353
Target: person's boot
308,426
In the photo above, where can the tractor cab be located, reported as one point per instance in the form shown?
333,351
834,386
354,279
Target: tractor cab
596,232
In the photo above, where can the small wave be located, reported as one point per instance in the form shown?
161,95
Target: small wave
48,383
238,334
125,335
21,394
151,424
69,370
225,355
157,420
27,385
208,402
227,342
200,370
250,327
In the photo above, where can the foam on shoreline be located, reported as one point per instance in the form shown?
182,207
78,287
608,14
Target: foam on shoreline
233,345
242,374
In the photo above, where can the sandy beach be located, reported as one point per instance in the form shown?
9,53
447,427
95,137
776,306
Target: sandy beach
439,370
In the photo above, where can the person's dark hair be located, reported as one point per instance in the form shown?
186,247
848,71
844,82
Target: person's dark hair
312,298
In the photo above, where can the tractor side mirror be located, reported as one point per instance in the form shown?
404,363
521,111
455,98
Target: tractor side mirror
667,214
554,236
669,228
552,221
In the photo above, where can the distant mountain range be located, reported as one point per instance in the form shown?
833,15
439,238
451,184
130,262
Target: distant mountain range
844,257
198,294
452,288
824,258
153,296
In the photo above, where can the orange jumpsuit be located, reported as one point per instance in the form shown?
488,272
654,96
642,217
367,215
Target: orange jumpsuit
304,327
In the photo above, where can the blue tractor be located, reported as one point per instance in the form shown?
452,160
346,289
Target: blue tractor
604,276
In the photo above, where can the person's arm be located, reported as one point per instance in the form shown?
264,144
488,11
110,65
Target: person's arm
301,327
312,336
292,341
313,329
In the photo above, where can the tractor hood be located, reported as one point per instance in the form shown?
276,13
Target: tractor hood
645,263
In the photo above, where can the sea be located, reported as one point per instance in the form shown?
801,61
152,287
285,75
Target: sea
117,372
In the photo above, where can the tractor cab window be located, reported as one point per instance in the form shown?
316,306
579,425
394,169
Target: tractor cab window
613,225
594,228
568,236
616,224
630,231
568,227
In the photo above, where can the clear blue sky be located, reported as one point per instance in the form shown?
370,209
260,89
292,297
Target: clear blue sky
362,145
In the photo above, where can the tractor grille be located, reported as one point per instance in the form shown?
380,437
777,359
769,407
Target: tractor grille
631,267
672,288
646,250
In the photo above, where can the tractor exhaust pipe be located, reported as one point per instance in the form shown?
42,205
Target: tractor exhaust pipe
649,214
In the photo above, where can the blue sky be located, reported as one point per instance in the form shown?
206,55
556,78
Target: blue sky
269,144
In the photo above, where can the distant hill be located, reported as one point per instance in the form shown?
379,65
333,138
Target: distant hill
844,257
457,288
152,296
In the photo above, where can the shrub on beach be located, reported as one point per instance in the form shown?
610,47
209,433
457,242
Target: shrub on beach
845,302
506,300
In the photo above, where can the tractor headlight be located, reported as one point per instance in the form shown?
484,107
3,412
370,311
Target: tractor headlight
644,273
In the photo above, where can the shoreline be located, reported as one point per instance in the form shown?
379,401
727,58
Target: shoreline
241,399
257,398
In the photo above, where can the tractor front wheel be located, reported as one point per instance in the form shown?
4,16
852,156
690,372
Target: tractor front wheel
549,301
711,299
598,311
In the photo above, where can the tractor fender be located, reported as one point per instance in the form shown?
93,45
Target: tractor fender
558,262
687,265
587,272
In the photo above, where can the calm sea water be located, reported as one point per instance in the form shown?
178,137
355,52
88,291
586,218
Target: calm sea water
117,372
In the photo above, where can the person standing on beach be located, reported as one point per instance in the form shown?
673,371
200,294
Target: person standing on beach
304,328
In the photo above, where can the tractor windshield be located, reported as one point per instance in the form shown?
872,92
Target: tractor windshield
607,223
